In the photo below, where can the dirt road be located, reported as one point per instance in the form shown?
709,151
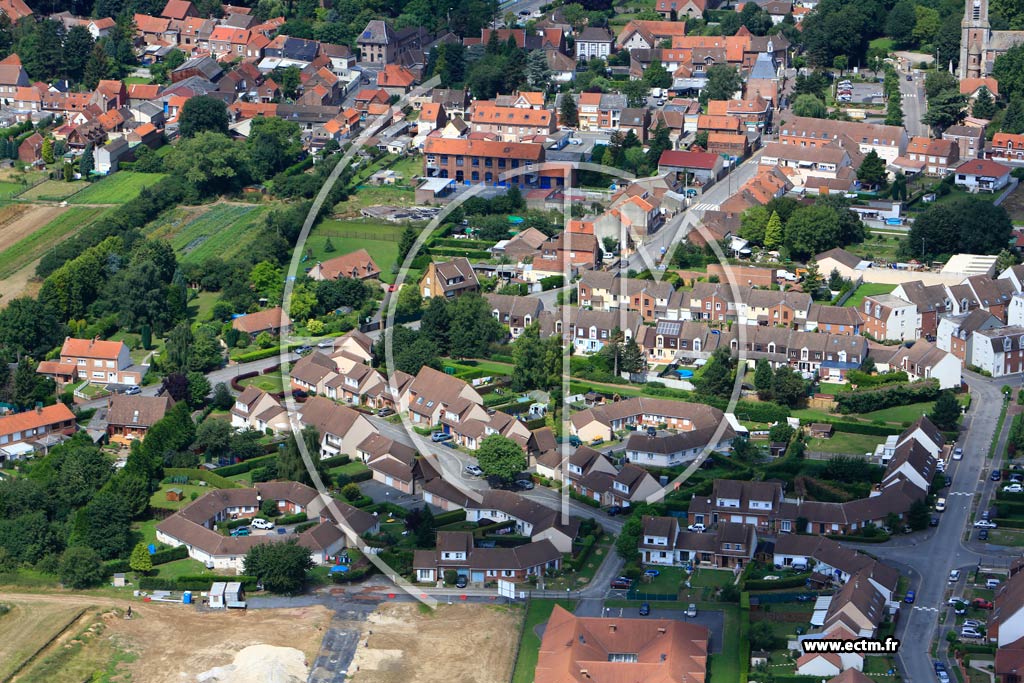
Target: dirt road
18,221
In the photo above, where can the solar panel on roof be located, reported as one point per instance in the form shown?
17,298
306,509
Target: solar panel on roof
367,34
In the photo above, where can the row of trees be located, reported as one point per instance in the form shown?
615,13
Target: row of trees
802,231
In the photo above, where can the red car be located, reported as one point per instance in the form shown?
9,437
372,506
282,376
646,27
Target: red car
979,603
622,583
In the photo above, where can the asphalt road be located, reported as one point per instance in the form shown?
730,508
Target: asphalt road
675,230
914,104
928,562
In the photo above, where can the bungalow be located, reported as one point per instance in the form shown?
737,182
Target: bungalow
130,417
981,175
669,450
455,551
195,525
602,422
272,320
530,518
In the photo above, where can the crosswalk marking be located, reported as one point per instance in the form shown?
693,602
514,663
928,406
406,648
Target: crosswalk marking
959,493
926,609
704,206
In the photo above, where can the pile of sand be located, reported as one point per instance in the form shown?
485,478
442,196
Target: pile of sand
261,664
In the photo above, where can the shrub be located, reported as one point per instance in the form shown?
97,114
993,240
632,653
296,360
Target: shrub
292,519
887,397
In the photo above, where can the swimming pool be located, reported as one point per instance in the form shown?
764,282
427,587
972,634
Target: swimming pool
684,373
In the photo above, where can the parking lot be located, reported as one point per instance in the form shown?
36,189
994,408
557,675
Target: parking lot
714,621
864,93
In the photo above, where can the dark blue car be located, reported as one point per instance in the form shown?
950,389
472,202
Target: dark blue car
911,595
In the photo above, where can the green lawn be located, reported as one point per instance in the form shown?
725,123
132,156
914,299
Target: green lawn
725,666
224,230
201,306
867,289
145,531
900,414
159,498
882,44
711,578
538,612
1009,537
271,382
843,442
118,188
185,567
832,389
8,189
665,583
54,190
31,247
351,469
379,238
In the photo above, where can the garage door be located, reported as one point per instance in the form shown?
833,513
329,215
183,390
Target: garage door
478,577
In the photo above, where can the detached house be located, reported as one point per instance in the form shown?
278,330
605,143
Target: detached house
19,430
358,265
531,519
130,417
256,409
432,391
514,312
272,320
449,279
756,503
662,542
101,362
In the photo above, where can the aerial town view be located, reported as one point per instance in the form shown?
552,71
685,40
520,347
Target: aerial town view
512,341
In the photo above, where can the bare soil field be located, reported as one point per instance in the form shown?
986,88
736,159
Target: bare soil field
161,643
1014,203
454,644
21,220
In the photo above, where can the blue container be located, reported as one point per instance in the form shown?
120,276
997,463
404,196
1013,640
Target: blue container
186,598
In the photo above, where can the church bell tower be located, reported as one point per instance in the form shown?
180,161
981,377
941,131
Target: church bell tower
974,37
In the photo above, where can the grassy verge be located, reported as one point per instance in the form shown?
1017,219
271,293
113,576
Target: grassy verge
537,613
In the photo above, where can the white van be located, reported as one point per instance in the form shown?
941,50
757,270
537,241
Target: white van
260,523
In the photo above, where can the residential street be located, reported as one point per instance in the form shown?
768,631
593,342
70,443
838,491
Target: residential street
914,104
928,562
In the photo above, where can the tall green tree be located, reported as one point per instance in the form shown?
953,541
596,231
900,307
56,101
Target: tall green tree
281,567
473,328
78,45
291,466
140,560
568,111
406,243
812,282
763,379
984,106
501,457
809,106
773,232
80,567
203,114
946,412
872,170
717,379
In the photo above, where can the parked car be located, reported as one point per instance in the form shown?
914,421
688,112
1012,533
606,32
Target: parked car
575,442
934,521
691,611
461,581
972,623
303,350
696,528
940,505
449,444
992,583
474,470
980,603
645,609
985,524
954,575
614,510
282,530
385,412
260,523
622,583
438,437
133,391
597,442
1016,478
1013,488
241,531
909,599
651,431
970,633
948,482
983,535
954,601
996,475
299,393
958,453
524,484
909,77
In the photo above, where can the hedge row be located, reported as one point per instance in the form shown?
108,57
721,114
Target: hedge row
292,519
193,583
388,509
887,397
336,461
882,537
762,411
582,555
468,253
244,466
258,355
211,478
343,479
762,585
305,526
1010,523
584,499
159,557
449,517
862,428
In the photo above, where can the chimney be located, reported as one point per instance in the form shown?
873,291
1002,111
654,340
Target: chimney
39,409
662,631
584,673
611,628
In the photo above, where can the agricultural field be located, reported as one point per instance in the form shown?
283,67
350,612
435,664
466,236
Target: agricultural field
197,233
412,644
27,231
119,188
53,190
161,643
1014,205
379,238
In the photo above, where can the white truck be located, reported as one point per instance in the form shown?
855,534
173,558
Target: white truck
656,92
